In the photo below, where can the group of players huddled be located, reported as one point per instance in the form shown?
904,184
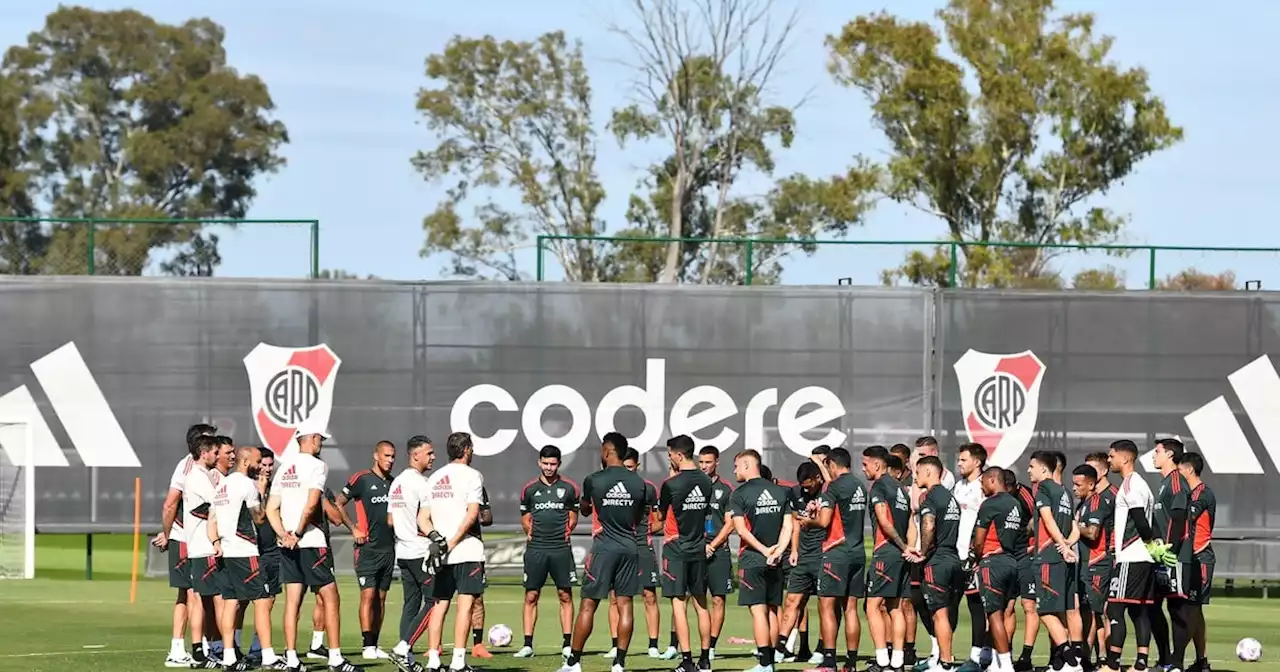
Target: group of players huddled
1082,557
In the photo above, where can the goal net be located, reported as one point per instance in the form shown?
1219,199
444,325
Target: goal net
17,500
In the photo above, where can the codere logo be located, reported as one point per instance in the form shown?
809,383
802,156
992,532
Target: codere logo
1217,432
713,403
79,405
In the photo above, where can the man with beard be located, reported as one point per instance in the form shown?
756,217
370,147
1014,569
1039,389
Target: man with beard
374,542
548,514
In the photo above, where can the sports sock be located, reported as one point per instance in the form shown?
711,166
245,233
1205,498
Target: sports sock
317,640
367,639
714,639
829,658
528,641
851,659
704,658
459,659
934,652
1055,656
975,654
335,657
401,648
1004,661
229,656
804,642
882,657
269,656
1026,653
613,642
621,658
686,656
766,655
178,647
1074,653
291,657
575,656
896,658
653,642
674,642
1140,663
477,636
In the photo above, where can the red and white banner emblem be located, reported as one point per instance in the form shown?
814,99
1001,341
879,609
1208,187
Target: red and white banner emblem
287,386
1000,397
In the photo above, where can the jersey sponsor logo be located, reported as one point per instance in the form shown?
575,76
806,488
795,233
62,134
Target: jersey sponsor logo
1013,521
221,498
617,496
79,405
289,479
1000,397
543,506
695,499
442,489
288,386
766,504
799,426
953,511
379,499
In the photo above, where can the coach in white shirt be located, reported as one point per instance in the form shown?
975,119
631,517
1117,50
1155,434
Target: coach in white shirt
455,492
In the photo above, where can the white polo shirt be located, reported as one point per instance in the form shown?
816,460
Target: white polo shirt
451,489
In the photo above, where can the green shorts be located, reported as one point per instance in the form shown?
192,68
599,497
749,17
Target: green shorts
841,578
243,579
311,567
1028,578
1056,593
463,578
648,564
720,573
556,564
179,573
206,576
610,572
940,581
803,578
271,571
760,585
998,582
683,577
374,567
887,576
1094,584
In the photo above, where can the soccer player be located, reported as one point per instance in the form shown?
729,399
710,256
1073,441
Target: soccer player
297,493
197,498
485,519
941,577
1169,523
1091,551
807,537
548,514
971,460
374,542
926,446
764,528
1197,552
819,457
998,540
719,526
842,508
900,467
1100,569
683,509
614,499
1055,550
648,569
173,540
233,531
1132,586
419,549
331,515
1028,579
1060,466
268,548
457,492
886,583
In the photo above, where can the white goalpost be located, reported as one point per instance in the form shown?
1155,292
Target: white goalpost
17,499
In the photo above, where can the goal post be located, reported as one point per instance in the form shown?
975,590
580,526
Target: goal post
17,499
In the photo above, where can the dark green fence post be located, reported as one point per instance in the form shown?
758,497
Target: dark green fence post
92,264
538,248
315,249
751,262
1151,268
955,265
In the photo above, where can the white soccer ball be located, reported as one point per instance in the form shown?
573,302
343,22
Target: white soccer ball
499,635
1249,650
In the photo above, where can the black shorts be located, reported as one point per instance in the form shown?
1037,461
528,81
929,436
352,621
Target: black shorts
610,572
206,576
682,577
556,564
1028,577
243,579
1132,583
915,573
842,579
1095,582
940,580
271,571
179,573
310,567
998,582
887,575
1203,581
463,578
374,567
720,573
760,585
1056,593
648,564
803,578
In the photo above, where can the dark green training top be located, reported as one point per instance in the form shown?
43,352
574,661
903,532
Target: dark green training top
323,518
1202,513
939,504
805,505
614,498
1001,515
370,491
888,490
1174,495
1026,500
682,501
548,506
644,534
763,504
721,491
1050,495
844,539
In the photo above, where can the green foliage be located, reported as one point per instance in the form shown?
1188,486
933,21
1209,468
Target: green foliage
1192,280
114,115
1051,122
339,274
517,116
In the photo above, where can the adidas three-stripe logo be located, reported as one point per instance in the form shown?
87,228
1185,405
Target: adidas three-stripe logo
1217,432
79,405
618,490
765,499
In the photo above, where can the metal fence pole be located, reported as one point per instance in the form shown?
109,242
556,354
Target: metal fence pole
538,248
92,264
315,249
750,263
954,271
1151,268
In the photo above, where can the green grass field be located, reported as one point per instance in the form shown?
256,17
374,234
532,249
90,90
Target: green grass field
59,621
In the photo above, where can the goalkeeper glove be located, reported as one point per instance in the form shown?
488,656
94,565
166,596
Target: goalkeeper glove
437,551
1160,552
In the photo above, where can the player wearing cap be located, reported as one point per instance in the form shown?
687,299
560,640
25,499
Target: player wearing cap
374,541
419,548
1132,587
456,493
295,506
172,539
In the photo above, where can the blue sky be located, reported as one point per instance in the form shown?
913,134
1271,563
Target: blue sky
344,77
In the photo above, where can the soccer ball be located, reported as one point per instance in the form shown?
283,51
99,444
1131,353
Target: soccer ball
1249,650
499,635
